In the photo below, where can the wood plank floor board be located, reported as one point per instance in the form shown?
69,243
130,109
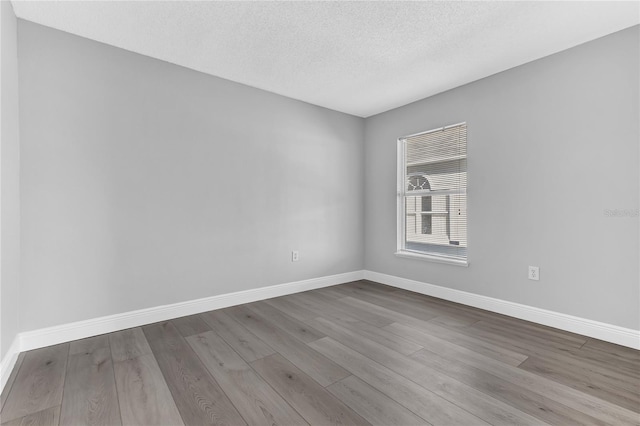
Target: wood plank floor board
320,309
89,345
48,417
451,321
383,337
615,351
451,314
424,334
431,407
471,313
39,382
447,314
446,307
373,405
166,334
554,391
381,354
247,344
199,398
349,289
90,396
600,363
585,371
539,349
424,309
354,287
337,308
525,328
191,325
143,395
521,344
300,330
330,292
256,401
521,398
320,368
613,355
128,344
612,390
12,377
478,403
496,352
605,358
335,292
295,310
392,315
521,335
304,394
371,285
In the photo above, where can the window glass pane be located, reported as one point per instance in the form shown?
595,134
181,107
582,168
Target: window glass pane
437,219
427,223
435,214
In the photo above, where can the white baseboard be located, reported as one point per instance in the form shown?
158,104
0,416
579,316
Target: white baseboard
9,361
82,329
93,327
598,330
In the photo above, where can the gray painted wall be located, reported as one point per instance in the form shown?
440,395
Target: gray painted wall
9,179
144,183
551,145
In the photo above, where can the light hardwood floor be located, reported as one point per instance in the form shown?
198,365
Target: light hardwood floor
354,354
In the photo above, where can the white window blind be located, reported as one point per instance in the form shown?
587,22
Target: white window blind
432,193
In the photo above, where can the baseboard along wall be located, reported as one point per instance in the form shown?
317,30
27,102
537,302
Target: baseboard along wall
586,327
43,337
9,361
82,329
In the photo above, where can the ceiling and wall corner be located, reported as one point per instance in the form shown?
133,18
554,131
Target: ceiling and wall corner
361,58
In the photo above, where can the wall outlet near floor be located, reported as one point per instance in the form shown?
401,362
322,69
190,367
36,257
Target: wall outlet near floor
534,273
295,256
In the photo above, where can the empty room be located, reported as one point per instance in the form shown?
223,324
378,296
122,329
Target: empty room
319,213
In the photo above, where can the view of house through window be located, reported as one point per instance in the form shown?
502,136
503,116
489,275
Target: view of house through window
432,193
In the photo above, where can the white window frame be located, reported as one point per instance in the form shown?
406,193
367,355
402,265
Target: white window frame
401,250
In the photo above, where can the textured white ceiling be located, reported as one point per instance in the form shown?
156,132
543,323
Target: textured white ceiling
361,58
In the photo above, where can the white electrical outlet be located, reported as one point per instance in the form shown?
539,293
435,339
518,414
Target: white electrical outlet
534,273
295,256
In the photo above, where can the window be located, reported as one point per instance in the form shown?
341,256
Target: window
432,195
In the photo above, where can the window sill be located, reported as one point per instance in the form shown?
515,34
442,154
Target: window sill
429,258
